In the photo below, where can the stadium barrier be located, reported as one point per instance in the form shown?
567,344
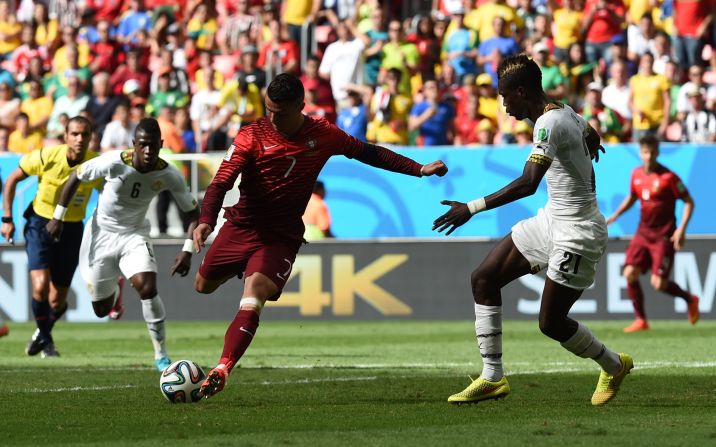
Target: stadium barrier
368,203
422,279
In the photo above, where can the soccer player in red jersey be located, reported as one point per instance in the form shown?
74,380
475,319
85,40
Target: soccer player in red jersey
279,158
657,238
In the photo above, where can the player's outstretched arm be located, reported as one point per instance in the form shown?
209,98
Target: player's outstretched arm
182,263
524,186
627,203
54,226
383,158
8,227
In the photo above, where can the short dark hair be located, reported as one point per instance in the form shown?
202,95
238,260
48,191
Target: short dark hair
649,140
150,126
78,119
285,88
520,70
396,71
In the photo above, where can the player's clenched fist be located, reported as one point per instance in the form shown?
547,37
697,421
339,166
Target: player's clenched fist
201,234
435,168
594,143
8,231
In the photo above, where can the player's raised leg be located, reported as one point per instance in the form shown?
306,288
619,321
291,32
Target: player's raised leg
669,287
504,264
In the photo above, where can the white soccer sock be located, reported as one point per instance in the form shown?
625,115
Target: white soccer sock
584,344
488,329
154,315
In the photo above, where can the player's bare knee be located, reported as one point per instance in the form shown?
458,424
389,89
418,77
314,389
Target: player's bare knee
201,285
658,282
631,274
147,291
58,304
550,327
481,282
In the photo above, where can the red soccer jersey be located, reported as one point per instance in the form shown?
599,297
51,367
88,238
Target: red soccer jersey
278,174
657,192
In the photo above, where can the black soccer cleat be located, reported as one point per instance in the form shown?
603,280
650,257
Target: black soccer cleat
49,351
37,343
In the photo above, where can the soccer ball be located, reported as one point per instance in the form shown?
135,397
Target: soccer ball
180,382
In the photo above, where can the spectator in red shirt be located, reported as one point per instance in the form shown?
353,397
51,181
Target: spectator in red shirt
692,21
657,238
428,46
279,55
105,9
324,94
602,24
105,54
20,58
130,70
466,123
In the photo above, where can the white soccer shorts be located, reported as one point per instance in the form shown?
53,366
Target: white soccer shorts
105,255
569,249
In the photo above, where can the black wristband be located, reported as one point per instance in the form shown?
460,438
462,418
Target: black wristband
7,219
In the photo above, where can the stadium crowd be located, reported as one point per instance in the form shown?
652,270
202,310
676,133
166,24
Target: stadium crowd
392,73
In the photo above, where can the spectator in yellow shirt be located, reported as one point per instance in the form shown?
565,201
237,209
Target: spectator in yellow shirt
649,99
389,110
401,54
10,29
23,139
37,106
567,27
202,28
296,13
480,19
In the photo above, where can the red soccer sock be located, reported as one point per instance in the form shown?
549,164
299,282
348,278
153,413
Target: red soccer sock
238,337
673,289
636,295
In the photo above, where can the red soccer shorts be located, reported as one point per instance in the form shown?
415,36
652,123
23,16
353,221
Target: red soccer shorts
655,255
240,251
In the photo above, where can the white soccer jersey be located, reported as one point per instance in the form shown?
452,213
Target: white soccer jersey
127,192
560,135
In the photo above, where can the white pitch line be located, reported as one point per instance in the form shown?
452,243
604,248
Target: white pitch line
328,379
74,388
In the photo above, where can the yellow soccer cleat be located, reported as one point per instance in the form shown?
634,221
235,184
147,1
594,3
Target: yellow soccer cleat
481,389
608,386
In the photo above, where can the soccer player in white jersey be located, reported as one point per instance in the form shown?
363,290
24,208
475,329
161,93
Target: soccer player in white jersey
567,237
116,239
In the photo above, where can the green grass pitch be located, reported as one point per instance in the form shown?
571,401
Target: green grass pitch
357,383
